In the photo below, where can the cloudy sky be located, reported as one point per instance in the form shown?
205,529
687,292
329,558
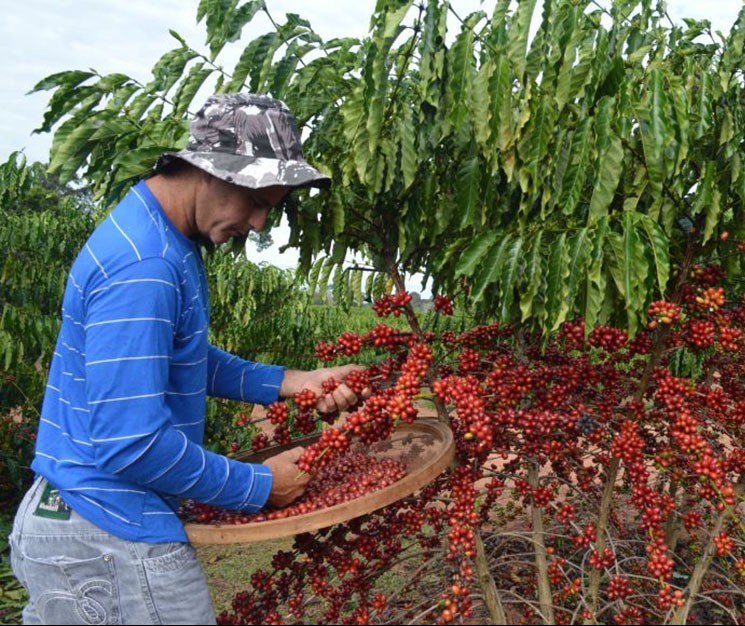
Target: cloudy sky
40,37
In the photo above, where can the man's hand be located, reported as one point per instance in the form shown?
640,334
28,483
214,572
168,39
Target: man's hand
339,400
288,483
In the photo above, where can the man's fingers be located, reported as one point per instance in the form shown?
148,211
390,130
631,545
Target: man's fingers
338,400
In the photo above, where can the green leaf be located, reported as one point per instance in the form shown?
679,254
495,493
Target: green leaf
338,215
481,102
713,214
705,190
461,69
473,253
501,100
511,269
517,36
356,286
409,155
70,155
340,288
138,162
468,192
313,275
323,278
633,264
69,78
659,246
355,131
579,249
533,277
609,164
596,281
262,62
244,66
654,131
188,88
576,172
557,306
489,269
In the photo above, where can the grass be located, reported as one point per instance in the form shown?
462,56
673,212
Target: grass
228,568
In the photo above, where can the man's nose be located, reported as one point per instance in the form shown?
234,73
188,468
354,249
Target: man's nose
258,220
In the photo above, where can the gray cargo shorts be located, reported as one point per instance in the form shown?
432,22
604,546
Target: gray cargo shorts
76,573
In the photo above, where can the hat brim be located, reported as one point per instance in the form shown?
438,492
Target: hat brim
252,172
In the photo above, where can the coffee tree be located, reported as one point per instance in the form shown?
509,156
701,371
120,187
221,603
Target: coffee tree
582,187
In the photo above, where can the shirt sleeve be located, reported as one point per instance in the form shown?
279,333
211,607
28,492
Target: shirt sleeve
129,326
234,378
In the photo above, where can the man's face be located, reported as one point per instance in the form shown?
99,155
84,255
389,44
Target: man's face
225,211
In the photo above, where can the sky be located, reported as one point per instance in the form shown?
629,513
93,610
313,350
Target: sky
40,37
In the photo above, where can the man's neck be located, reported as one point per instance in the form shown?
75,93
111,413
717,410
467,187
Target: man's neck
175,194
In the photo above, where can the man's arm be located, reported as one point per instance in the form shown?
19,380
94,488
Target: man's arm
234,378
129,334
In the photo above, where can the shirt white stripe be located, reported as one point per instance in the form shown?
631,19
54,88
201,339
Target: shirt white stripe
140,455
71,349
199,475
103,271
129,319
250,488
243,376
72,461
188,424
82,443
73,320
122,438
106,489
214,376
224,482
159,513
53,388
189,364
131,243
186,393
128,358
147,208
172,465
124,399
134,281
124,519
186,337
75,284
46,421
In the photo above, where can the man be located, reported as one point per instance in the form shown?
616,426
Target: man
96,539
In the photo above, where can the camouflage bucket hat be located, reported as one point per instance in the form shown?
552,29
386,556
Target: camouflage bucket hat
248,140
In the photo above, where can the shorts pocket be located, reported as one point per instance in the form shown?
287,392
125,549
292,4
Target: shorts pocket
178,587
69,591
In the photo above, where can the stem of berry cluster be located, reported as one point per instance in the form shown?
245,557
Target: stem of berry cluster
697,577
539,548
604,514
488,586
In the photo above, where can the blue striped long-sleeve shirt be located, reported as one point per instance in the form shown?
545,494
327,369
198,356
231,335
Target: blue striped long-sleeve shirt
123,416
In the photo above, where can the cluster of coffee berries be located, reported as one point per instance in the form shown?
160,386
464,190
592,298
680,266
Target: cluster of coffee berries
394,304
662,312
443,305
